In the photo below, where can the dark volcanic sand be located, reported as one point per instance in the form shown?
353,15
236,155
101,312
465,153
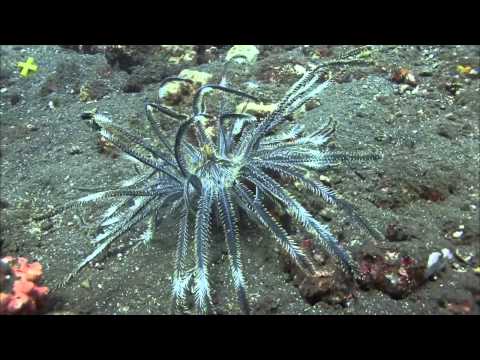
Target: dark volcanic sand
427,184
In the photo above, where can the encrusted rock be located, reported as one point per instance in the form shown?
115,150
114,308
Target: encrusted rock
249,52
258,110
94,90
174,92
397,278
399,232
180,53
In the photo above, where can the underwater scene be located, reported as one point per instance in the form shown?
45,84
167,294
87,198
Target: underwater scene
239,179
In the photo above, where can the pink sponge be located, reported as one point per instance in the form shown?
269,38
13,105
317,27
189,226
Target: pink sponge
25,296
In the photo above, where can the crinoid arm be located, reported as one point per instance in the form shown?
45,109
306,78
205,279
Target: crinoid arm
247,199
202,244
230,227
303,216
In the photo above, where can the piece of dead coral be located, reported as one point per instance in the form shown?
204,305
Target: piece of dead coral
23,295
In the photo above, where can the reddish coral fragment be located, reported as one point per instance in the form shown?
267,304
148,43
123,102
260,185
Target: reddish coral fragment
25,296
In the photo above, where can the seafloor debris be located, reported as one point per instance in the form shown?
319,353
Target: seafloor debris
174,92
465,254
404,76
461,308
460,303
396,276
324,285
248,52
94,90
258,110
468,70
106,147
19,289
399,232
437,261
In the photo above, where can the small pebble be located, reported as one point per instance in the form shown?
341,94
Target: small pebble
85,284
437,261
299,69
75,150
426,72
15,99
464,255
403,87
319,258
457,234
458,268
325,179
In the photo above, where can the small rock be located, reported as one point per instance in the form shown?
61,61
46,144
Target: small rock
319,258
258,110
4,204
464,254
453,88
425,72
403,88
15,99
199,78
249,52
464,69
94,90
173,92
450,116
437,262
396,277
384,100
85,284
447,130
326,180
326,215
132,86
75,150
457,234
396,232
462,308
47,225
31,127
299,69
404,76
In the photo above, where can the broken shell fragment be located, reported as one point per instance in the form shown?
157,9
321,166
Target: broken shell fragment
437,262
464,255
